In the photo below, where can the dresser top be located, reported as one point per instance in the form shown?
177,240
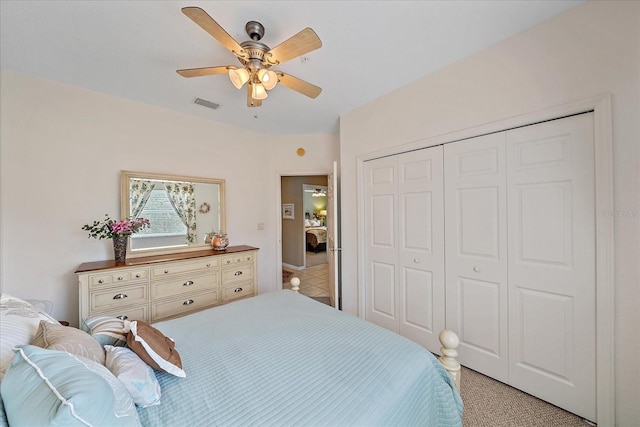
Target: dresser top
134,262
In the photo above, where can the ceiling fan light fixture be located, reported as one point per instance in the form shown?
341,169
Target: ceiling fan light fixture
258,91
268,78
238,76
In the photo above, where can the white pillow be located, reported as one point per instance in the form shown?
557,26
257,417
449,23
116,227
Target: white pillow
19,322
137,377
307,223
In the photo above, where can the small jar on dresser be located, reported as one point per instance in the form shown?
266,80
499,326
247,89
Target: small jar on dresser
165,286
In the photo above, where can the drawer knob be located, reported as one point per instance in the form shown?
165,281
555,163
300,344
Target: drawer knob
137,276
238,273
188,302
100,281
120,278
166,271
188,283
120,296
476,269
208,265
236,290
122,317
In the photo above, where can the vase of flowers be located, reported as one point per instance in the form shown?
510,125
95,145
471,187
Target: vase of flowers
118,231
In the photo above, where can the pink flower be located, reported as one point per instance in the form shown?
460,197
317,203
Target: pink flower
110,228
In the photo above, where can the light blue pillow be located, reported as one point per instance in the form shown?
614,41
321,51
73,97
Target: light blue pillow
3,416
50,387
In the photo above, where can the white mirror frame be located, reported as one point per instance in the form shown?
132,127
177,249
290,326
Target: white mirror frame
125,209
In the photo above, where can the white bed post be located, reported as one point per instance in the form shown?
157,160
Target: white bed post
295,285
450,341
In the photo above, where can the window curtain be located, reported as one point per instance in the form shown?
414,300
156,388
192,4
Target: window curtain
139,192
182,198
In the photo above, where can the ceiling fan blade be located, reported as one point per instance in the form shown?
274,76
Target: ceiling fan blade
303,42
250,101
206,71
208,24
305,88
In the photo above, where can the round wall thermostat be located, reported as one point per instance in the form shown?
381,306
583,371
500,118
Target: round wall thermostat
300,151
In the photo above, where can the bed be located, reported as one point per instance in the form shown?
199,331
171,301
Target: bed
316,238
283,359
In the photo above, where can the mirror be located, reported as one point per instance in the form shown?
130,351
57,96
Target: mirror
182,211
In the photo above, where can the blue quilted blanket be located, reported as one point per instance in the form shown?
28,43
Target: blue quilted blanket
283,359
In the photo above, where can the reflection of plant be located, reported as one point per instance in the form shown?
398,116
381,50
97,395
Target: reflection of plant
109,228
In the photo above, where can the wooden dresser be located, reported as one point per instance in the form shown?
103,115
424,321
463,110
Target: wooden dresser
165,286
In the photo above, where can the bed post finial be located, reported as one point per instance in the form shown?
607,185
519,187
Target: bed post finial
450,342
295,284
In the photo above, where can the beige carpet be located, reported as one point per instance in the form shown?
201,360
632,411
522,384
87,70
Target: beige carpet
490,403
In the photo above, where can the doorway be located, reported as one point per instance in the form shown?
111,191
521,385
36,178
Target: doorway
304,234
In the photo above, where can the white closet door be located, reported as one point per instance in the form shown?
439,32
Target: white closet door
404,223
476,252
421,246
552,262
381,242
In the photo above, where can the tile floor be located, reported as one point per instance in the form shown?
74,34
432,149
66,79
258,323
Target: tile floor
314,281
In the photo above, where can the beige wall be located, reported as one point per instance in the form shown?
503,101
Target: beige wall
61,153
588,51
293,230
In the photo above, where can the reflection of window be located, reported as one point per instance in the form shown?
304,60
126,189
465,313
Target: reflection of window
163,217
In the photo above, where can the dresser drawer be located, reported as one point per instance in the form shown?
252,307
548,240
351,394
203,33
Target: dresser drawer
236,291
190,283
116,277
176,307
237,258
239,273
114,298
127,313
177,268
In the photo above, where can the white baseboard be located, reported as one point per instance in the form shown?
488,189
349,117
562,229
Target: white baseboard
292,267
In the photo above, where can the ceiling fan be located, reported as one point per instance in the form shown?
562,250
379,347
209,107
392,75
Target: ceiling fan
256,58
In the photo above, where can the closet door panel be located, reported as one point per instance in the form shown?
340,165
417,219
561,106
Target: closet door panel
476,251
421,246
381,305
552,262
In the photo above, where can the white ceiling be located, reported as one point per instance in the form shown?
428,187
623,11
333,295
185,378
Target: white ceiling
131,49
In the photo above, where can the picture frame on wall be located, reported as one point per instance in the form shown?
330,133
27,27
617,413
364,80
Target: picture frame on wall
288,211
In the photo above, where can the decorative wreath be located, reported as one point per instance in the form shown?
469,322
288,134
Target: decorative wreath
204,208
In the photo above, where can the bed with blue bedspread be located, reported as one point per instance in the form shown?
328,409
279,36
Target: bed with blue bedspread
283,359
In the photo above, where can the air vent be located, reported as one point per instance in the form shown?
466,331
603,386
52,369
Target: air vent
206,103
